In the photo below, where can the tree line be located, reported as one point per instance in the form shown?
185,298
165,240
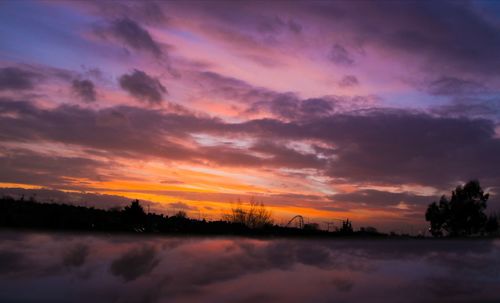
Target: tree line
253,219
460,215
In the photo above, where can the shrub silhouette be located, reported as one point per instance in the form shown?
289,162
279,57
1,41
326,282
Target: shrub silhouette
181,214
254,216
462,214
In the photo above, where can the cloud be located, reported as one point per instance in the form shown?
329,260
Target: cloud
143,87
397,147
295,26
276,25
382,146
135,263
417,29
342,284
29,167
171,181
182,206
132,34
348,81
139,130
290,107
124,131
452,86
232,89
414,33
339,55
315,255
471,107
13,78
76,255
405,147
223,269
148,12
84,89
282,156
13,261
376,198
282,105
242,258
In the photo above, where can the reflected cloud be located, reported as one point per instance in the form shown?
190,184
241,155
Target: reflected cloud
12,262
135,263
183,269
75,256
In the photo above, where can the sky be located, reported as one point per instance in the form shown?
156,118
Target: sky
327,109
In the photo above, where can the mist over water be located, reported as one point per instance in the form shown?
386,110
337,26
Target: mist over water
62,267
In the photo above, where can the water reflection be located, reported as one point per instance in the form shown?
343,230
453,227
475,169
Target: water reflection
80,268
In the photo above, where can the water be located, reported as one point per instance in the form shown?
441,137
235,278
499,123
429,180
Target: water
59,267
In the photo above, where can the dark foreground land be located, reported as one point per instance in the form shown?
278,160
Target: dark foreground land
34,215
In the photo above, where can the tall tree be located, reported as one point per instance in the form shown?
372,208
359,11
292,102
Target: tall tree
134,214
462,214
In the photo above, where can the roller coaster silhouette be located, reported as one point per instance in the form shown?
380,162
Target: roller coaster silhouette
298,222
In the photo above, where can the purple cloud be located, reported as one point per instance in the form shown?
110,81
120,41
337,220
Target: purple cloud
339,55
14,78
132,34
143,87
84,89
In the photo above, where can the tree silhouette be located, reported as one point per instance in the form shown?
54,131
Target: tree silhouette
462,214
134,214
135,209
346,227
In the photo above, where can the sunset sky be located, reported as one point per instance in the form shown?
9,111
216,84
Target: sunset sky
367,110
